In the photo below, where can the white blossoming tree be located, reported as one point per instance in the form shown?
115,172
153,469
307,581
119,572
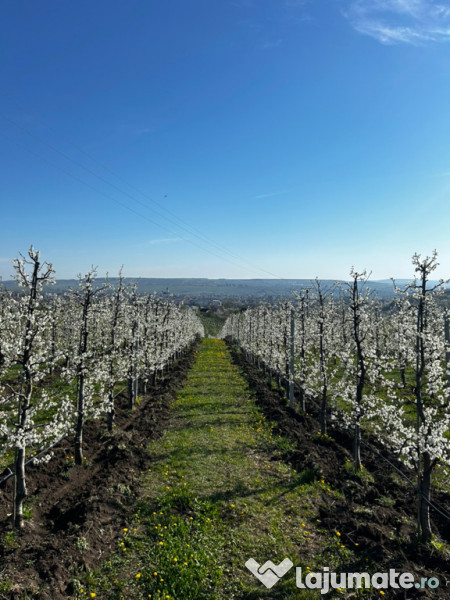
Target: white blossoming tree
22,395
417,429
87,367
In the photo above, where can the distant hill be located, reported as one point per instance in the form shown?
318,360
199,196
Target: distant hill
403,282
204,289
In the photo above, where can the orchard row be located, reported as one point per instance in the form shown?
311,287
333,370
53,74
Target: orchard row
66,358
363,364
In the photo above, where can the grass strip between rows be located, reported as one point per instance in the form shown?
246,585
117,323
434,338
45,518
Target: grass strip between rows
216,494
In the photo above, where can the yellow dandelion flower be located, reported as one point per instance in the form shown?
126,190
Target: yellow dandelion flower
137,575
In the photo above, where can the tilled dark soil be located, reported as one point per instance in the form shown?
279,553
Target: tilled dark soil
78,512
378,516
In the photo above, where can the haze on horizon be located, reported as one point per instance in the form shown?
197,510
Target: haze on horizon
242,139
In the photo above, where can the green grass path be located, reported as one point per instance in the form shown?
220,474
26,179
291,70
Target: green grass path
217,493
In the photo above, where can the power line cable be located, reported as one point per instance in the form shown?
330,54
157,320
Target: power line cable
187,228
122,204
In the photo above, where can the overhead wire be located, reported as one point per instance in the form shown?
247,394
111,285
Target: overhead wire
187,227
181,225
122,204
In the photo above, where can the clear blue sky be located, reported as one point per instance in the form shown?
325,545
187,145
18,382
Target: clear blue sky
303,137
